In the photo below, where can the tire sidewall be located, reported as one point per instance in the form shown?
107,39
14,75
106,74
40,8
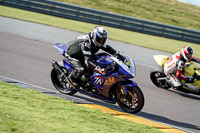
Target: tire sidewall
140,96
57,85
157,70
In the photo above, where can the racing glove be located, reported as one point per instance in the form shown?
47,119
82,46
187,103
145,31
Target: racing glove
189,80
100,70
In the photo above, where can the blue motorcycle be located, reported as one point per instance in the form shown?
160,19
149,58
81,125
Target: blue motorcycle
113,87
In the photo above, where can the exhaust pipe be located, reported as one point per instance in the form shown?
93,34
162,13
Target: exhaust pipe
161,79
58,69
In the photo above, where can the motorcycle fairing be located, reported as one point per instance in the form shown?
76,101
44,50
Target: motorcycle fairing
97,80
129,83
124,73
61,48
191,86
67,65
104,84
161,59
103,59
112,80
189,69
126,70
198,72
196,83
127,67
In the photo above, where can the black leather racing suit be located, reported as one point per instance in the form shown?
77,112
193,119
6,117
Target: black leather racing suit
81,51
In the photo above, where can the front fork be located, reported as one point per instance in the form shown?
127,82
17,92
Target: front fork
124,90
126,97
123,86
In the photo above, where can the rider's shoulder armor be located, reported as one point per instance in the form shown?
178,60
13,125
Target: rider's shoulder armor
174,63
74,46
84,38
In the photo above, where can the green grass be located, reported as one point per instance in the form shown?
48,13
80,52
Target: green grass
164,11
25,111
153,42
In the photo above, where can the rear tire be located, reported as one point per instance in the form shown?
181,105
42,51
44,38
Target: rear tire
133,101
159,73
59,84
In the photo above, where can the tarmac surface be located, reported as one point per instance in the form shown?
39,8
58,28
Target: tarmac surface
26,51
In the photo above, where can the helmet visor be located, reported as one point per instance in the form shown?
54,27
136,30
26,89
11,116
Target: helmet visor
100,40
189,56
187,52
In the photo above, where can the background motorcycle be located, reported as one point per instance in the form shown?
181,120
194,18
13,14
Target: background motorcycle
190,69
114,86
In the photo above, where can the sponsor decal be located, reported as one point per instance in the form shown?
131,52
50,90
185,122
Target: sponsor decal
98,80
109,81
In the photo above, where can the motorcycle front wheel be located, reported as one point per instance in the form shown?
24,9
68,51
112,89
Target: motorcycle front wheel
157,73
59,83
131,101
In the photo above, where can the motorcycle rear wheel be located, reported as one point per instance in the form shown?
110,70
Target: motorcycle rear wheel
59,84
132,101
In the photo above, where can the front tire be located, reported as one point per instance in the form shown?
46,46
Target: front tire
60,84
157,73
132,101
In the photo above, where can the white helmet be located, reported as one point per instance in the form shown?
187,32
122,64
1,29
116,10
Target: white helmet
187,53
99,36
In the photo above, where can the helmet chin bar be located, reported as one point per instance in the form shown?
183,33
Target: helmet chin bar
95,43
184,57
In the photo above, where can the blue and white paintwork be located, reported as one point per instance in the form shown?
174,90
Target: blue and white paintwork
103,83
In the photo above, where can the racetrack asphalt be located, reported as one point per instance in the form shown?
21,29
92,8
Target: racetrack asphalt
26,51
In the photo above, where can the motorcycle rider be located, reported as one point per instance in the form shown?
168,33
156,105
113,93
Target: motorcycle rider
80,51
174,66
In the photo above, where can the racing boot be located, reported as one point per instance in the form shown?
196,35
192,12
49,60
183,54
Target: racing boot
72,79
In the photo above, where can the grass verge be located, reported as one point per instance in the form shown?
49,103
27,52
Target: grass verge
24,111
164,11
149,41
